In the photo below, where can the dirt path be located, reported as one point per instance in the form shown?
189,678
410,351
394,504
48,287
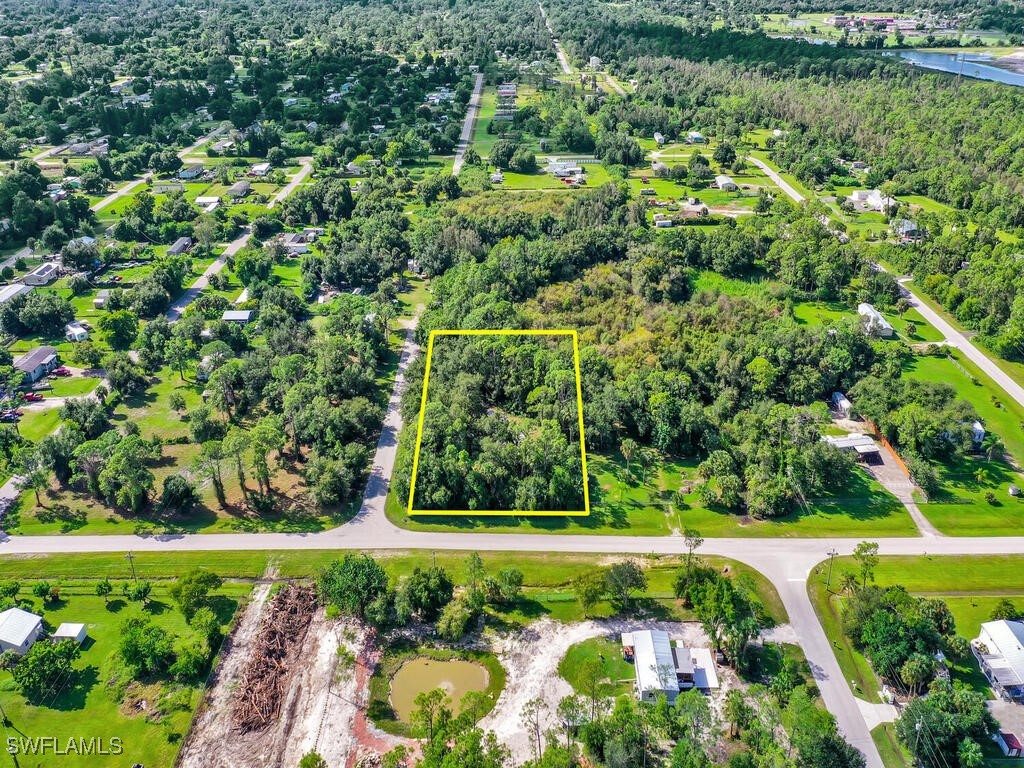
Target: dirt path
212,724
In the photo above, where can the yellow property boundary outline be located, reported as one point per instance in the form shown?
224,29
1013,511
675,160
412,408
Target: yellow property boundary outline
423,408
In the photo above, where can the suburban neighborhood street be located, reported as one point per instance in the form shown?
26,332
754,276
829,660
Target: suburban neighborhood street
468,124
951,335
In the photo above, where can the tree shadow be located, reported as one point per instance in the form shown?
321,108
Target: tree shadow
75,691
116,605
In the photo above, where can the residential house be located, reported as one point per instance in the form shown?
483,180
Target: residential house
871,200
694,137
665,669
906,230
725,183
37,363
208,203
999,649
44,274
260,169
594,62
294,243
101,298
19,630
191,171
873,322
9,292
564,169
75,331
241,316
224,145
179,246
977,435
239,189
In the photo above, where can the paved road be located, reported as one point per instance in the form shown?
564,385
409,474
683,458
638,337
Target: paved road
563,60
132,186
371,513
177,309
957,339
468,123
782,184
951,335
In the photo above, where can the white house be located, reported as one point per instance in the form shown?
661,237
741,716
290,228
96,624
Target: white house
9,292
594,62
999,648
74,331
659,138
564,169
101,298
260,169
725,183
664,668
873,322
294,243
66,631
44,274
871,200
19,630
695,137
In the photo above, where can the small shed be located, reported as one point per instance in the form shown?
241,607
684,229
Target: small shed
101,298
1009,744
67,631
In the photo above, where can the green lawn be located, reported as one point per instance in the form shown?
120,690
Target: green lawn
962,510
71,386
644,504
970,585
617,674
37,424
87,706
547,576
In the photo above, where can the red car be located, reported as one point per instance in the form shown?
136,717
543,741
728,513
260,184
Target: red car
117,278
33,397
62,371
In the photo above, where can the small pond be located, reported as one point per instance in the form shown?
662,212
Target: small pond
455,677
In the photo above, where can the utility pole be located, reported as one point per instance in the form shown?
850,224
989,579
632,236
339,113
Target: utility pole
131,559
831,557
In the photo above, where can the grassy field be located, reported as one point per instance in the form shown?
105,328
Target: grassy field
617,673
646,504
962,509
970,585
547,576
87,706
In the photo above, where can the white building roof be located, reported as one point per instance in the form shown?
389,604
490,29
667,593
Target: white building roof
237,315
723,180
873,316
8,292
17,627
655,664
68,631
857,442
1005,643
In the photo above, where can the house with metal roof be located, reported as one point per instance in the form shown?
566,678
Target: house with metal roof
37,363
13,290
666,669
19,630
999,648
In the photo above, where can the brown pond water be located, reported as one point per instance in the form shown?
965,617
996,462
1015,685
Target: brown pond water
455,677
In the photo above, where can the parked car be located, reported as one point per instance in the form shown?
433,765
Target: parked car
8,417
62,371
33,397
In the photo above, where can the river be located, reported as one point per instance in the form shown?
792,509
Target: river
969,64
